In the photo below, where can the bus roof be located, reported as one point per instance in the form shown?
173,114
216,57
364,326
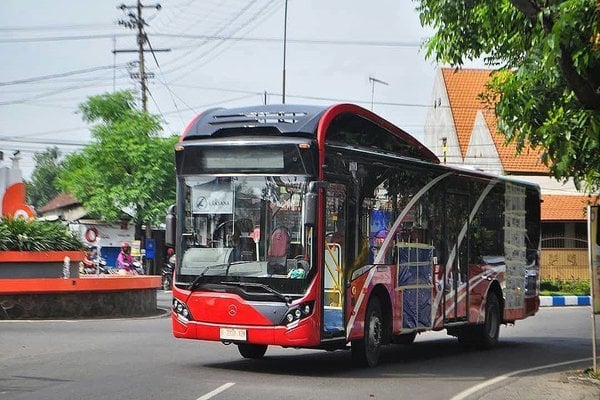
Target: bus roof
285,118
296,120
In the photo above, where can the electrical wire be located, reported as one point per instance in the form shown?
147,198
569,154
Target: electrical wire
60,75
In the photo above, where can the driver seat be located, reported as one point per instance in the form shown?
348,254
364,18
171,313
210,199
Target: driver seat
279,247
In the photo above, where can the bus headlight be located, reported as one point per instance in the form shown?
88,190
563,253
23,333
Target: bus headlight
181,310
298,312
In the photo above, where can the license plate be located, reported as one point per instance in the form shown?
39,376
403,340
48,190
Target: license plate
232,334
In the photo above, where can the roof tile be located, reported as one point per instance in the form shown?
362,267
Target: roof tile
60,201
566,208
464,87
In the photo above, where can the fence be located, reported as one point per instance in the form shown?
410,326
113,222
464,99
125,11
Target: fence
564,263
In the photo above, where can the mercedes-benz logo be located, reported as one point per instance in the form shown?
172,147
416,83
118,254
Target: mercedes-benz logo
232,310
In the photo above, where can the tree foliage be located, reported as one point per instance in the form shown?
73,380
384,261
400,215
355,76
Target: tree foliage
42,187
547,53
128,166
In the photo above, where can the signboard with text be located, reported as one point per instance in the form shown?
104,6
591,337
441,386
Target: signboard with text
212,199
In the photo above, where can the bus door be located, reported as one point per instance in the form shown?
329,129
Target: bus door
334,248
456,282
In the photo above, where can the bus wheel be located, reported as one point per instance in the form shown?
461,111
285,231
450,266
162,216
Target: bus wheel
252,350
366,352
486,335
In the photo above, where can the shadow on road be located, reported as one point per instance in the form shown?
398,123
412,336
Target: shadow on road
438,358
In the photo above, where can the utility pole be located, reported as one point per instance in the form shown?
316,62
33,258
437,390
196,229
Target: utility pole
136,21
284,47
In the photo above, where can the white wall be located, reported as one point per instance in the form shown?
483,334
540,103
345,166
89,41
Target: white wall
439,124
482,152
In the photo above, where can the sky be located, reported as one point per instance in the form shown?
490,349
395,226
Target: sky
223,53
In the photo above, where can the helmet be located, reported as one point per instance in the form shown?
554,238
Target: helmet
125,245
170,251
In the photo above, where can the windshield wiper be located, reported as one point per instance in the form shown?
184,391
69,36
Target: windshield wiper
196,280
269,289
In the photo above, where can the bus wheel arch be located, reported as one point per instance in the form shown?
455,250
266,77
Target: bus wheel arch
496,290
377,329
486,334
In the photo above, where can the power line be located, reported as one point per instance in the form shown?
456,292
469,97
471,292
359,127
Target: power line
59,75
45,142
21,135
62,38
370,43
253,19
54,27
229,25
136,21
46,94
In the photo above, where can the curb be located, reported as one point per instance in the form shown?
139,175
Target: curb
560,301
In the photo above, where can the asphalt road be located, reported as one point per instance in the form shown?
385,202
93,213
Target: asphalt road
139,359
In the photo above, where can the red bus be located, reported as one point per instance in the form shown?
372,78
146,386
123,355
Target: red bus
319,227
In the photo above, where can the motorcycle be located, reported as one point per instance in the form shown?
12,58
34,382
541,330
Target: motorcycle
91,270
167,277
137,267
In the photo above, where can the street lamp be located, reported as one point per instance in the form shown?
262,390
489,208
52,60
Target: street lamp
284,47
373,81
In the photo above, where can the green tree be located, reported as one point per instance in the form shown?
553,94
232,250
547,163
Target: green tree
128,165
547,88
42,187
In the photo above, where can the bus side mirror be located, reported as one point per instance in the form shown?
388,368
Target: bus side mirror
311,202
310,209
170,226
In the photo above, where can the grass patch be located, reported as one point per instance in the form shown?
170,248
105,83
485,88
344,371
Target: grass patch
591,374
565,288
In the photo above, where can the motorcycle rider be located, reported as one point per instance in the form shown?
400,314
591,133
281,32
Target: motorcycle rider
171,256
125,259
167,271
89,263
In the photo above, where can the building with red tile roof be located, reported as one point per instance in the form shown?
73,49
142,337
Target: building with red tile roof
468,125
556,208
461,129
60,202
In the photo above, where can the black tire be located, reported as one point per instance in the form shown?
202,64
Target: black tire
483,336
486,335
252,350
366,352
405,338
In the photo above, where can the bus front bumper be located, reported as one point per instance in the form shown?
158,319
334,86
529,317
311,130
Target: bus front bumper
303,333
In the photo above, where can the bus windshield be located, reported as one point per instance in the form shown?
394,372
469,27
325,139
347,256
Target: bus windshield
245,229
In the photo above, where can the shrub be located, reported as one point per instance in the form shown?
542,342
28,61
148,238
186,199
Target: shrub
560,287
21,235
